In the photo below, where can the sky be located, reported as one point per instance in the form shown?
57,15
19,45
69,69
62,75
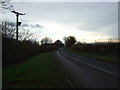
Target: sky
87,21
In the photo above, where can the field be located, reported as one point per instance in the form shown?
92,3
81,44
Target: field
107,58
106,52
38,72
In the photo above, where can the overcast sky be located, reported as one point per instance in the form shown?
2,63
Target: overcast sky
87,21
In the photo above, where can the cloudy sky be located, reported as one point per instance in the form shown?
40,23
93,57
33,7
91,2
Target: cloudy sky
87,21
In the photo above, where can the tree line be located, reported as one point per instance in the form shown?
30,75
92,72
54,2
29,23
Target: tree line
106,48
17,51
14,51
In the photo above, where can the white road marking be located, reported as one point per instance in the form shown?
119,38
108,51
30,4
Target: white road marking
89,64
77,60
100,68
94,66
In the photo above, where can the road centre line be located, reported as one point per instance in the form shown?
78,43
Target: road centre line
90,64
94,66
100,69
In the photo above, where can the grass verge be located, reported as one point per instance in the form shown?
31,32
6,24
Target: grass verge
107,58
38,72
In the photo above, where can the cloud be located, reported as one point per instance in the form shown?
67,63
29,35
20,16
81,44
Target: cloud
87,16
36,26
25,25
32,25
90,16
93,17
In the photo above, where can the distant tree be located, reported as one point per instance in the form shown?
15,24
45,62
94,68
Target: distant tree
42,41
58,43
78,43
69,41
46,40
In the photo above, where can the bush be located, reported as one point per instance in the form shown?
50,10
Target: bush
106,48
18,51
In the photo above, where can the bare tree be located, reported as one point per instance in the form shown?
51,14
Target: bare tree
46,40
25,34
7,28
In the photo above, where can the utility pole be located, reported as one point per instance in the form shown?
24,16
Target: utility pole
17,23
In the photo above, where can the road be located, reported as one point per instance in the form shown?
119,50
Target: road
83,72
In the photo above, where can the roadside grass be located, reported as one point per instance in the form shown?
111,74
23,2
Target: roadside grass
107,58
38,72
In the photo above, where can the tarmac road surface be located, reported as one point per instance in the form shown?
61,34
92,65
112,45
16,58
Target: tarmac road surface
83,72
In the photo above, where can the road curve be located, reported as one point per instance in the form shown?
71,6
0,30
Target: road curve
82,72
